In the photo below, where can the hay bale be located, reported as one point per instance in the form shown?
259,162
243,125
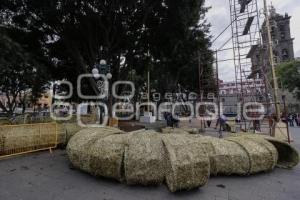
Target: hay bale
185,161
2,142
183,130
262,155
138,131
15,139
107,156
191,130
170,130
79,145
65,131
18,139
268,145
144,159
187,165
288,156
226,157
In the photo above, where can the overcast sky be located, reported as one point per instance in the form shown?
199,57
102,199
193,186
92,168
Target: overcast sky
219,18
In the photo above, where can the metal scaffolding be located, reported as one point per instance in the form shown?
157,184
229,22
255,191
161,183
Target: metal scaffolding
245,27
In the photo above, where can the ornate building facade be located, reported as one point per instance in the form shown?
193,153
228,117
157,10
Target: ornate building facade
282,44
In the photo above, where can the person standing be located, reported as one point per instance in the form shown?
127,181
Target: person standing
295,121
291,120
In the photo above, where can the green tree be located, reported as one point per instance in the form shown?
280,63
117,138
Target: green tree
21,70
163,36
289,77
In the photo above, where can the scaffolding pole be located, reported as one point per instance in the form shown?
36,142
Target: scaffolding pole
271,57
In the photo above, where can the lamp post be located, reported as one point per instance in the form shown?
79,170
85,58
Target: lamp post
102,68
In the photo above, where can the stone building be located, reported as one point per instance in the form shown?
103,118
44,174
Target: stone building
282,41
254,91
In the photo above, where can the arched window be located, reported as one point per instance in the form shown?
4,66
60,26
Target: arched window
285,54
282,32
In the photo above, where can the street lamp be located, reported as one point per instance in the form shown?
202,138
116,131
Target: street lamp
101,69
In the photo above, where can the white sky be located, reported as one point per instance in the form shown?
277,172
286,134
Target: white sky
219,18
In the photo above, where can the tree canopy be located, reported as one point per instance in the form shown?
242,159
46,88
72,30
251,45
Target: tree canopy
163,36
289,77
22,69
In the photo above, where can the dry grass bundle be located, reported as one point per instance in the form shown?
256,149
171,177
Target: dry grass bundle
79,145
262,156
187,165
17,139
65,131
185,161
14,138
226,157
2,143
107,156
190,130
144,159
170,130
288,156
265,143
138,131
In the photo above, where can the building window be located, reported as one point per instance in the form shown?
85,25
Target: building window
273,32
282,31
285,54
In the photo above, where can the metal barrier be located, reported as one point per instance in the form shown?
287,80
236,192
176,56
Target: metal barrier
27,138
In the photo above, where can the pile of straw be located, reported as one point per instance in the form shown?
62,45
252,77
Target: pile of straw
107,156
183,130
262,155
144,159
184,161
65,131
170,130
23,138
78,148
188,165
226,157
287,155
2,143
191,130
